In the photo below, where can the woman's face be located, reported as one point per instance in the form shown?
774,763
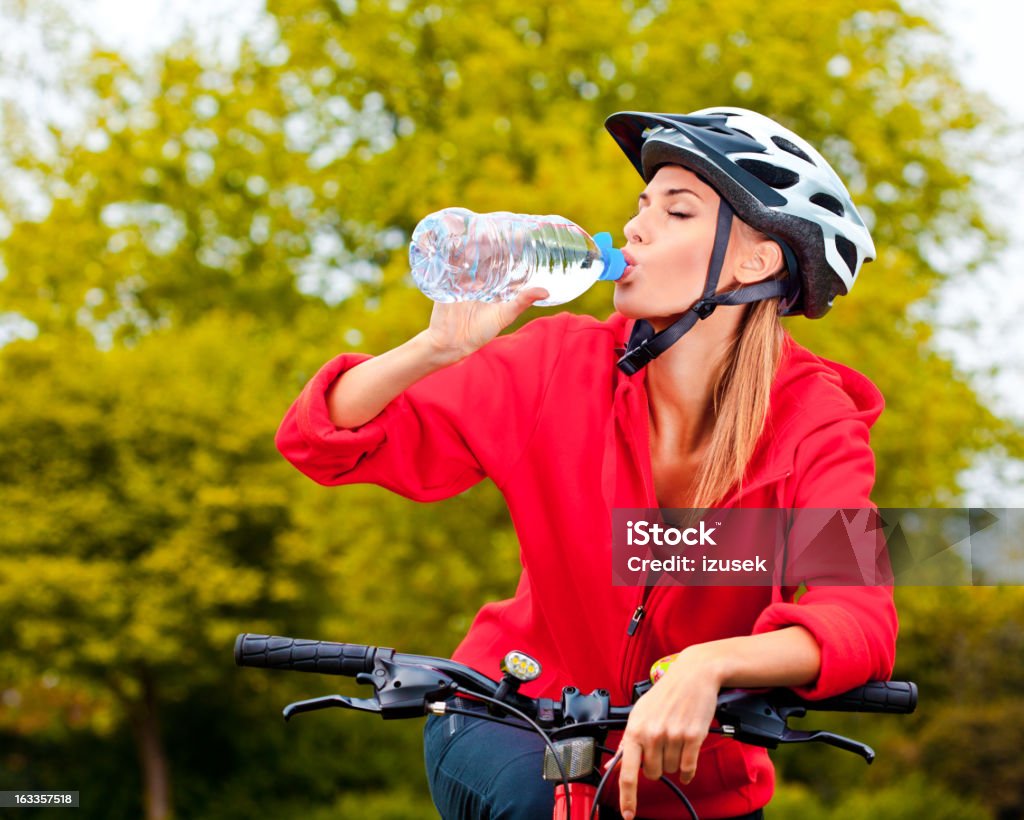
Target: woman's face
668,246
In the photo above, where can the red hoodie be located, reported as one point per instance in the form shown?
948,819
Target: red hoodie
546,414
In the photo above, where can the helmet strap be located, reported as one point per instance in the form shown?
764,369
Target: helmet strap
645,345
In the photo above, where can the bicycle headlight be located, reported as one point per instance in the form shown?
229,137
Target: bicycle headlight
521,666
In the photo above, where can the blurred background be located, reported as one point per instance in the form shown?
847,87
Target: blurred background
202,202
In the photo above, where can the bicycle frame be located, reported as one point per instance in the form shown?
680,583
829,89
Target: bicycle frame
581,804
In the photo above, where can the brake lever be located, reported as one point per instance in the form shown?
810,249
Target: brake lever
753,719
832,739
329,701
401,690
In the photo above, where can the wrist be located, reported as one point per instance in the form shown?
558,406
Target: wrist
711,659
434,355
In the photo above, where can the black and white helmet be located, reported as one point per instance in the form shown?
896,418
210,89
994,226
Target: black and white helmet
775,182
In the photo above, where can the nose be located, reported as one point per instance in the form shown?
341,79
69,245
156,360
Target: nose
632,231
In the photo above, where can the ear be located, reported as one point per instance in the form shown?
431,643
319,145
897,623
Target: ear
763,260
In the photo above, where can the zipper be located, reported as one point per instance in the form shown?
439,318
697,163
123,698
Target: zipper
638,615
631,644
642,458
643,608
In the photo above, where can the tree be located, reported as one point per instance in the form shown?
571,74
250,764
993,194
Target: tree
147,516
303,169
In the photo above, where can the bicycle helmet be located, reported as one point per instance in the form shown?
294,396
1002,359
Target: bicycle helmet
775,182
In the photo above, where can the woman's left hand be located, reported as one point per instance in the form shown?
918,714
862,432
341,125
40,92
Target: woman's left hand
668,725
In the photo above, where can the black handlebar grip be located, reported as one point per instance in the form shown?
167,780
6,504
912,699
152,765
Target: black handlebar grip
894,697
325,657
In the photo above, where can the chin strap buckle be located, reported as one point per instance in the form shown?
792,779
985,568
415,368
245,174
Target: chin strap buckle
704,308
635,359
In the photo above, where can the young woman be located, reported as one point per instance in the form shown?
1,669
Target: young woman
689,395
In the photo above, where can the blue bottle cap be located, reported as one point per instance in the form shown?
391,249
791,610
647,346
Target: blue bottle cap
614,261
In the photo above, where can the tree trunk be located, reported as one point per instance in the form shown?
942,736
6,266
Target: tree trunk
152,757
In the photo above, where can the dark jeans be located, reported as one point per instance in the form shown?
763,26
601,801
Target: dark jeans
479,770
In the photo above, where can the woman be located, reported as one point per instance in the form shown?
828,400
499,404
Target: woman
740,221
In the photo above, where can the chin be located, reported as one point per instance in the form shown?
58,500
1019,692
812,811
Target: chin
632,306
628,305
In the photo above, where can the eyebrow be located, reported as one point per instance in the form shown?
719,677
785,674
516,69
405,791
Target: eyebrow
670,192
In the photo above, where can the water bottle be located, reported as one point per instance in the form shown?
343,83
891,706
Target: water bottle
459,256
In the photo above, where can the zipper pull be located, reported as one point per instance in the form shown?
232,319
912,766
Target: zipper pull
634,622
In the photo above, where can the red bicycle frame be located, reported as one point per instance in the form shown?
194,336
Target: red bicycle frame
582,801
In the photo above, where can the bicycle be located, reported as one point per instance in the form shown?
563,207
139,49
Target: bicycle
573,728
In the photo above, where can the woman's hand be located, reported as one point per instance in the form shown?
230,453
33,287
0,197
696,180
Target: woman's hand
459,328
455,331
668,724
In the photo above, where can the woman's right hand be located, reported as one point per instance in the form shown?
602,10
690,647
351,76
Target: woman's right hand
459,328
456,330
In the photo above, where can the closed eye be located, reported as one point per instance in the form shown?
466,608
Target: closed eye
678,215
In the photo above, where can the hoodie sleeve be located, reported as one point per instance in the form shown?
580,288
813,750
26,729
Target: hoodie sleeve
443,434
855,626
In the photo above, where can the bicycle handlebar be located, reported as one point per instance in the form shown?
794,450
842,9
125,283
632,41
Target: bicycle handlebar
354,660
346,659
324,657
892,697
409,686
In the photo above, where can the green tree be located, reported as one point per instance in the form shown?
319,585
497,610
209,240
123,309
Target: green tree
309,162
147,515
436,124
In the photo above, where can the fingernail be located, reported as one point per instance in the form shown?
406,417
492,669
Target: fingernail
627,815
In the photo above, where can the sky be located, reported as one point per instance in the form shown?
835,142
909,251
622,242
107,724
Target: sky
987,51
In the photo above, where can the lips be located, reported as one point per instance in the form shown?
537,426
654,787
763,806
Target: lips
630,264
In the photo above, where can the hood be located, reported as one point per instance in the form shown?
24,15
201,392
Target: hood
809,392
807,381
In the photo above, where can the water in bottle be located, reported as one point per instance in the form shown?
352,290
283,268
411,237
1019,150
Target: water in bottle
457,255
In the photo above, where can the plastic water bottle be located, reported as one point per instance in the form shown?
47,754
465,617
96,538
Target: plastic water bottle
459,256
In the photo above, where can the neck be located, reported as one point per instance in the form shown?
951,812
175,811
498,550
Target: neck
681,382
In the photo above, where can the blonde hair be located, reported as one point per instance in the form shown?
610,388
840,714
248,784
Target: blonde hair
740,402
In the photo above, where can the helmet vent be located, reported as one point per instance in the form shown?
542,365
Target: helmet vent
829,203
848,251
792,148
769,174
